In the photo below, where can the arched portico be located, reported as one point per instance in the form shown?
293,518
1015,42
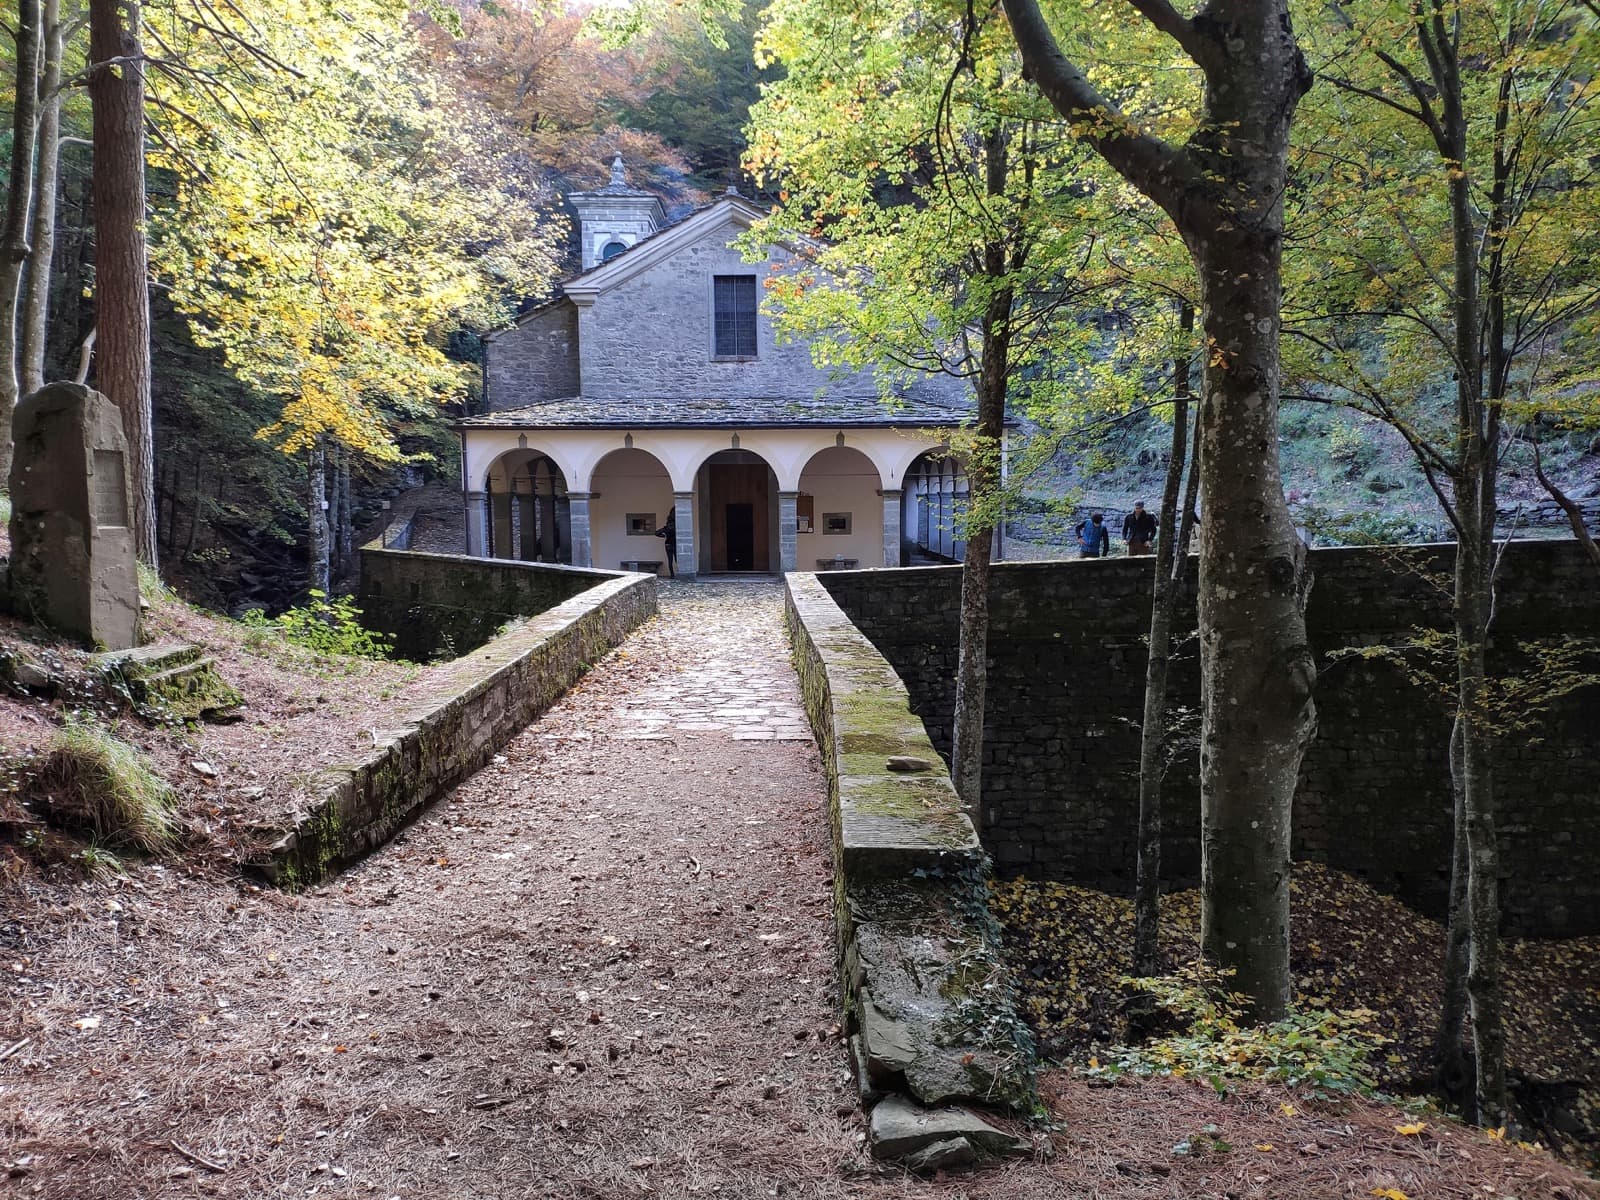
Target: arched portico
736,494
525,511
840,513
935,500
630,499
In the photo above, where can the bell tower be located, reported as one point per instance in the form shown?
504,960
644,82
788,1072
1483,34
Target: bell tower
614,218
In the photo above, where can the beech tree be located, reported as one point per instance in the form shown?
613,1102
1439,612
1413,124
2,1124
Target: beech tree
333,222
1223,186
14,246
1452,163
950,248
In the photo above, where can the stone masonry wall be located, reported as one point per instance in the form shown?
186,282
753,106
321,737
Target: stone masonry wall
536,361
444,605
1066,682
463,713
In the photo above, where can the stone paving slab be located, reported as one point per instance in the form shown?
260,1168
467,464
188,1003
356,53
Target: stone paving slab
727,672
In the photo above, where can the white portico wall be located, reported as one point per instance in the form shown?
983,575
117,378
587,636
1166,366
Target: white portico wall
840,479
627,481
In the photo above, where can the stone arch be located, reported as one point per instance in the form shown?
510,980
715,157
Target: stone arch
528,514
736,493
839,509
630,498
931,506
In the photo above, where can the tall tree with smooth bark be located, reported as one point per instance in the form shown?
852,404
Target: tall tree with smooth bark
35,313
122,293
14,247
1462,254
875,100
1223,189
1171,564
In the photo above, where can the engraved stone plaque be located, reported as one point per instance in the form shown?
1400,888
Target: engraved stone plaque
110,490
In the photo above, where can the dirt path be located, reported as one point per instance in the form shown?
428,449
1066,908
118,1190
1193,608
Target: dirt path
604,966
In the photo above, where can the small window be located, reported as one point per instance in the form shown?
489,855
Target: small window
734,316
612,249
641,524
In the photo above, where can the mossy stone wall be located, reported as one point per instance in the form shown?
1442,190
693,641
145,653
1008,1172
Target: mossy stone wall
469,709
1066,686
444,605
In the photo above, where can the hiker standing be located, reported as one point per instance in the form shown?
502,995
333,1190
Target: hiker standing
668,533
1094,539
1139,530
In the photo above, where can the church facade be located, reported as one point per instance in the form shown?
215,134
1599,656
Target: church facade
653,388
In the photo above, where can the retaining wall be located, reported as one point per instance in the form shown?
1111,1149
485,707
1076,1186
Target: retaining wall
929,1007
1066,685
465,711
443,605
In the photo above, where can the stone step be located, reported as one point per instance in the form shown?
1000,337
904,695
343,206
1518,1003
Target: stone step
172,681
153,659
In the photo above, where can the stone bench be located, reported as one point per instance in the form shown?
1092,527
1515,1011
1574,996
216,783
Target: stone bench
650,566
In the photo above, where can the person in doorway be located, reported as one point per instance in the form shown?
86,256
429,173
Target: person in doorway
1094,539
668,533
1139,530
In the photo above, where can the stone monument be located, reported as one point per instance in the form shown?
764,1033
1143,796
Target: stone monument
72,548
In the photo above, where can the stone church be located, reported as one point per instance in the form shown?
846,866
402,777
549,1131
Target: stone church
653,385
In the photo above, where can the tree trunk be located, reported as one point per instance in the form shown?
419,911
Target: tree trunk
19,192
122,296
1223,188
1168,591
1451,1060
317,519
36,294
972,656
345,533
983,480
1483,855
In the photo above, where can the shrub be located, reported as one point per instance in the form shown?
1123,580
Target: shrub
1323,1050
99,784
330,627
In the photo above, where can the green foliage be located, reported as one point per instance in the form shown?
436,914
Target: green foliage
95,782
1324,1051
329,627
1360,528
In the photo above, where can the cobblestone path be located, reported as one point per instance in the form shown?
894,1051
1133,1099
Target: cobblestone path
720,667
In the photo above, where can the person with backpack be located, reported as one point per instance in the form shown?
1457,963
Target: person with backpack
1139,530
1094,539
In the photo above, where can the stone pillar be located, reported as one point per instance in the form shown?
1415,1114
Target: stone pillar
578,516
72,552
891,527
788,530
477,517
688,554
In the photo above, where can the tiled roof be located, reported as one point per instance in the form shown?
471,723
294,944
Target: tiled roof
582,412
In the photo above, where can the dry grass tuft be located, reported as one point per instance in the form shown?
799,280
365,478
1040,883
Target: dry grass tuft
96,783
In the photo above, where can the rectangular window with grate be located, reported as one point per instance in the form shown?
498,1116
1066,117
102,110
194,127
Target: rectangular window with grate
733,316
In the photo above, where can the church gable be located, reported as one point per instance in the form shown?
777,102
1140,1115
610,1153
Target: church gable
688,323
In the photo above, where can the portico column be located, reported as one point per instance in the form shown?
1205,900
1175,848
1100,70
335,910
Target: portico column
477,525
578,525
683,524
788,530
891,527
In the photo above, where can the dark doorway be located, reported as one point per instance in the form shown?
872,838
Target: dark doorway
741,520
738,499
